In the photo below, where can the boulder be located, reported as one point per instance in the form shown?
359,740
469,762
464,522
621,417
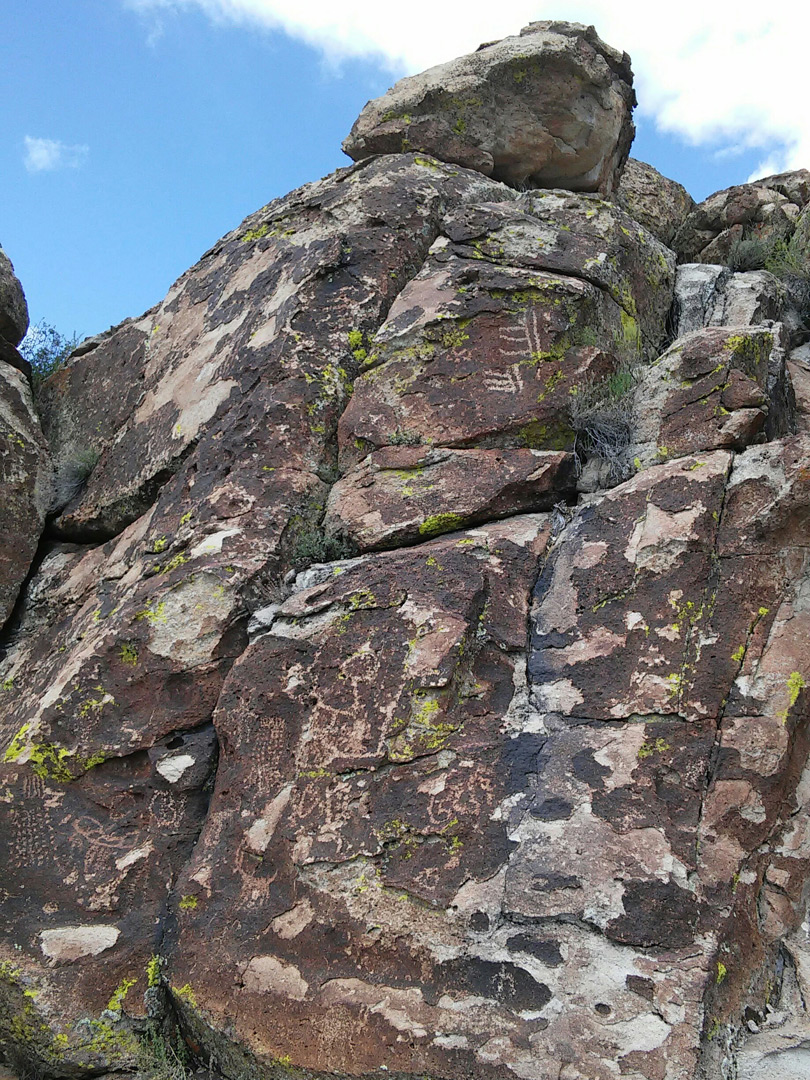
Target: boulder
338,736
26,484
13,308
579,235
793,185
659,204
548,108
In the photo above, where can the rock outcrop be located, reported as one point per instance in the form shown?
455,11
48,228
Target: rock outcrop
13,308
659,204
25,477
548,108
418,682
767,210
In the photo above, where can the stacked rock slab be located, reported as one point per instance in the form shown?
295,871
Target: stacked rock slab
337,733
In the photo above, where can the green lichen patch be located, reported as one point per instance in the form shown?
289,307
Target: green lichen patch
440,523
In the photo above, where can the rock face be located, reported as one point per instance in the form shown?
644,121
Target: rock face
549,108
24,463
13,308
338,732
767,210
659,204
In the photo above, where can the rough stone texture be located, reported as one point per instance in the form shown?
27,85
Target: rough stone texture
254,346
549,108
795,185
526,797
479,355
580,235
711,295
715,388
798,365
13,308
400,495
709,232
659,204
25,482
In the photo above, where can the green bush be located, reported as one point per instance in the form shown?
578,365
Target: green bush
46,350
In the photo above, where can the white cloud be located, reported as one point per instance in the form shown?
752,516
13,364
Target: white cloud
45,155
716,72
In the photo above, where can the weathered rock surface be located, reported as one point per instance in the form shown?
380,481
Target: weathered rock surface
548,108
659,204
403,494
712,295
13,308
580,235
716,388
25,480
527,796
474,354
767,210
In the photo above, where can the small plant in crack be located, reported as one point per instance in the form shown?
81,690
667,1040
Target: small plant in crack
71,477
163,1056
313,545
601,414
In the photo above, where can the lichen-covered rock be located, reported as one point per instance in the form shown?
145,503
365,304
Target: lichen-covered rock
526,797
549,108
402,494
256,345
659,204
13,308
580,235
707,294
474,354
25,483
716,388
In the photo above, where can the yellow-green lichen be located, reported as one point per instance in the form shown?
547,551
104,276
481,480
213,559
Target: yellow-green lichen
256,234
185,993
647,749
128,653
153,613
116,1002
153,976
440,523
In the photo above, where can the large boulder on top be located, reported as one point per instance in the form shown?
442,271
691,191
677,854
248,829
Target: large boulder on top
13,308
550,107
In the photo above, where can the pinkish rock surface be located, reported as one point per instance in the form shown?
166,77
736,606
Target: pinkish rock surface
520,790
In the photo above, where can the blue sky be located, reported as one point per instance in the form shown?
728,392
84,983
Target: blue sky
137,132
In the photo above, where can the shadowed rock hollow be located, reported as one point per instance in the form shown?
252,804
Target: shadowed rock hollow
418,682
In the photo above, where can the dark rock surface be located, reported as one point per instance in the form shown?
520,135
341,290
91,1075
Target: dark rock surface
13,308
